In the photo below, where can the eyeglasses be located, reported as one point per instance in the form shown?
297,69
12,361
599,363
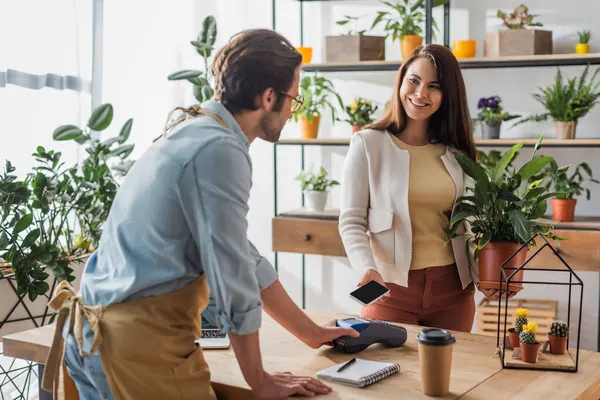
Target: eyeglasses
296,101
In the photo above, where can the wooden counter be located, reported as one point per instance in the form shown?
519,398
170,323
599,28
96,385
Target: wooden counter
476,372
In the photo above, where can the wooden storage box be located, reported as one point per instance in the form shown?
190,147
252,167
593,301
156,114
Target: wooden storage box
518,42
543,312
307,235
354,48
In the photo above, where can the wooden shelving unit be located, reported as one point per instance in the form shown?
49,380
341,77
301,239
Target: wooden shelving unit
546,60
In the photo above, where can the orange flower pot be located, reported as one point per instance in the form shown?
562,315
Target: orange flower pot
306,54
491,258
356,128
464,48
529,352
309,130
558,344
408,44
582,48
513,339
563,210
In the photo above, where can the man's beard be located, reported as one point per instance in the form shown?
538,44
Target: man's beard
269,127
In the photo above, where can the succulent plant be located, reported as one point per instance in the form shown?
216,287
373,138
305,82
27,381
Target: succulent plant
559,329
527,336
521,320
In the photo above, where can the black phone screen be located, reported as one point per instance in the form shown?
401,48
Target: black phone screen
369,292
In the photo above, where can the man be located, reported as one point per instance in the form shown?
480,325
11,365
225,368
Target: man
177,227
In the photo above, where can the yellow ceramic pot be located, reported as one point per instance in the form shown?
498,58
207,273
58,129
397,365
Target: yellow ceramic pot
464,48
309,129
306,54
582,48
408,44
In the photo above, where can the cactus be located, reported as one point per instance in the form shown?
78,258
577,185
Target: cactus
527,336
521,320
559,329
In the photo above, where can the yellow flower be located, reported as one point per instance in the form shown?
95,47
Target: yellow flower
530,327
522,312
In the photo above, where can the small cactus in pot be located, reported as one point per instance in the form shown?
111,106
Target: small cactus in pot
520,321
529,344
558,335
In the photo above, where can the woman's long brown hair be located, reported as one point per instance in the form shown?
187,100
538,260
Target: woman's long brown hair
451,124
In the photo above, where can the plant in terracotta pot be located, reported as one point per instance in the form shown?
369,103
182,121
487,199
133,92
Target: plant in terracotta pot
315,188
566,102
568,188
406,22
520,321
501,213
529,344
491,115
558,335
360,113
583,47
317,93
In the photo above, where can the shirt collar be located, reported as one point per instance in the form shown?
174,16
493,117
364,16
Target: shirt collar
219,109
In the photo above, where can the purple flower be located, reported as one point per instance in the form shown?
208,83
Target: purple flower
482,102
492,102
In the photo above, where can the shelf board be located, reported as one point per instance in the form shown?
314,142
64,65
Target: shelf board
546,60
529,142
580,223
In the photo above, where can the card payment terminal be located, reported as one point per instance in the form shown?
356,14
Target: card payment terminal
371,332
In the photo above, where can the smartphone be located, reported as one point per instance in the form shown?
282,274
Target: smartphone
369,293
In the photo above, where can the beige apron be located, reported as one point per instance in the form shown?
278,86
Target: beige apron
147,346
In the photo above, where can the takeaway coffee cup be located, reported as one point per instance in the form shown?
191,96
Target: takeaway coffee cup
435,356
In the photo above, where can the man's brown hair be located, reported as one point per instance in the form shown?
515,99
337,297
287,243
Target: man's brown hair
253,61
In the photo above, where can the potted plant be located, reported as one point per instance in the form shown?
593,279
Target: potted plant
529,344
583,47
317,92
360,113
520,322
501,214
568,189
491,159
204,45
315,188
558,335
566,103
491,116
54,216
353,45
517,39
405,21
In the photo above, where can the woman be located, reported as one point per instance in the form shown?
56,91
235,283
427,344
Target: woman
399,184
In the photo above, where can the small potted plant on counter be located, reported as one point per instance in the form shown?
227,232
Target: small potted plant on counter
520,322
316,92
583,47
566,103
354,45
360,113
502,213
558,335
315,188
491,115
529,344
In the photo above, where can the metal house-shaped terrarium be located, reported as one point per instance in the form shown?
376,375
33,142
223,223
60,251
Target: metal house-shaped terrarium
547,350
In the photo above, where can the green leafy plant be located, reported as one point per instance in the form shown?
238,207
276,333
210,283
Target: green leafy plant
491,159
405,18
317,92
55,214
360,112
584,37
315,182
503,207
518,19
349,20
568,101
204,45
569,187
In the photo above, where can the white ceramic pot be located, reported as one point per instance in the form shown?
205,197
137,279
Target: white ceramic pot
315,201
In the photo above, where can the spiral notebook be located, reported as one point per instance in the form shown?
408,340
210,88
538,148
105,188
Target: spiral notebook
360,374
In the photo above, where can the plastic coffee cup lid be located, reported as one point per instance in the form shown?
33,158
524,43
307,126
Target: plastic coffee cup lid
435,337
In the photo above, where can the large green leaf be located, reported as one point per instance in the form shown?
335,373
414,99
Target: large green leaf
101,117
471,168
122,151
184,74
459,216
208,34
534,166
520,224
125,131
66,132
498,171
31,238
23,223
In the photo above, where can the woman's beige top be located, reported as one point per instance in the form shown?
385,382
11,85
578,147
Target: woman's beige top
431,194
375,223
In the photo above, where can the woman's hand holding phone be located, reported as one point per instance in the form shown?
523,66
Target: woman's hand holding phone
372,275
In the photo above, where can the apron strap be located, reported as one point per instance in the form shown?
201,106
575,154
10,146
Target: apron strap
191,112
67,302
